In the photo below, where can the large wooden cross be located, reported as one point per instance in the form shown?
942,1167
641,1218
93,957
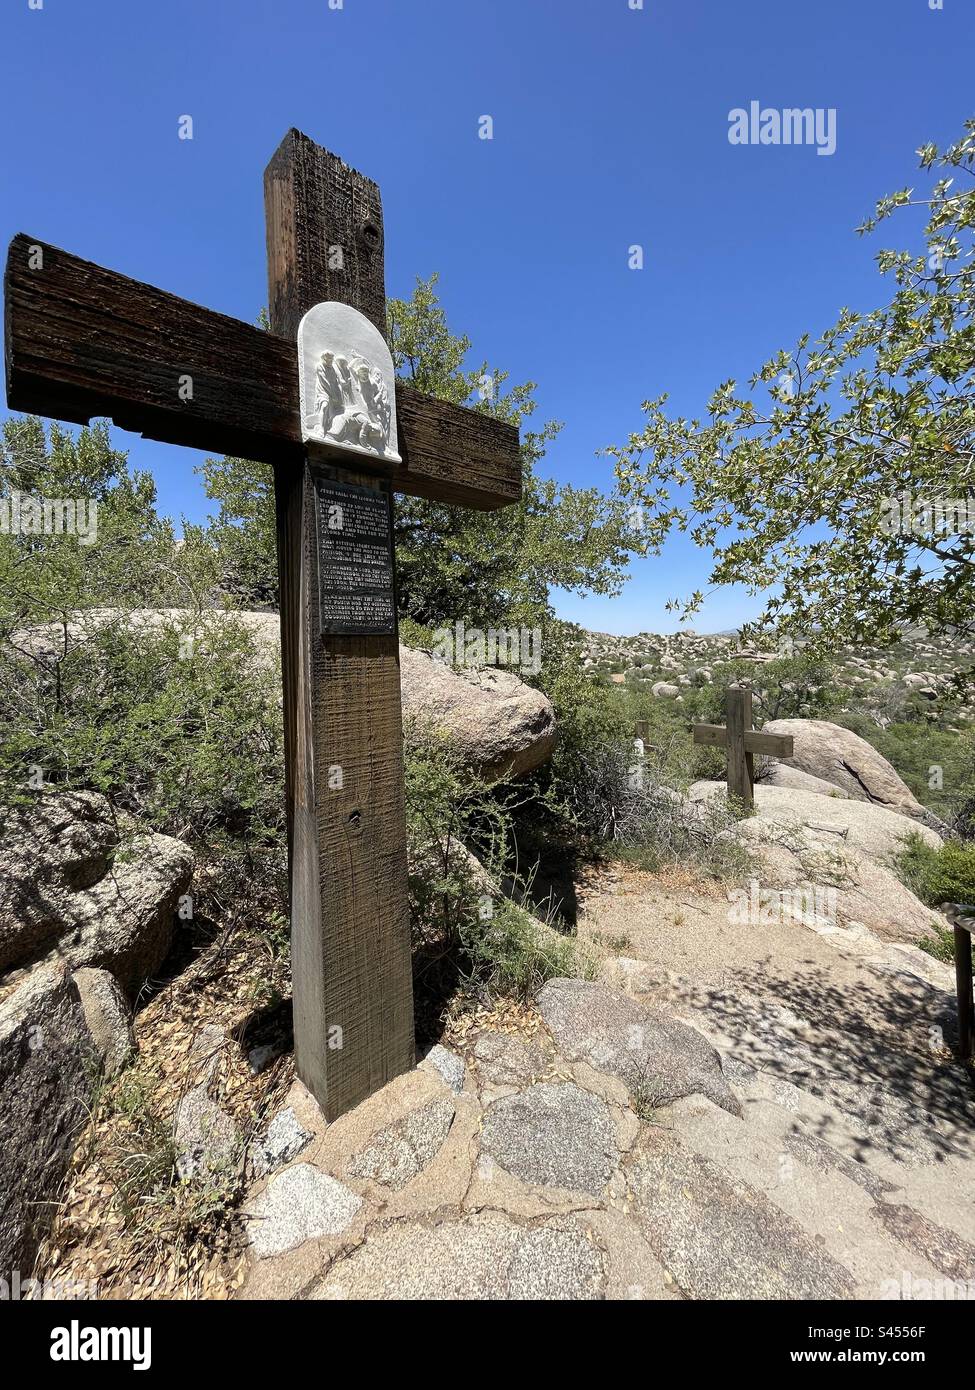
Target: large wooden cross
83,342
742,743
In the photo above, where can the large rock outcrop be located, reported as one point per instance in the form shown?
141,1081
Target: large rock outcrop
656,1056
47,1069
78,893
862,889
802,837
74,886
872,830
499,726
836,755
776,774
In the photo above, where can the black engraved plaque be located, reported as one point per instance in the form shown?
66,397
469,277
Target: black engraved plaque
356,595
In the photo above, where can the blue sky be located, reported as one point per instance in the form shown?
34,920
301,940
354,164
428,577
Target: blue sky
610,129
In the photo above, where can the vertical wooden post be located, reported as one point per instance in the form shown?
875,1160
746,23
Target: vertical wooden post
351,961
963,984
741,765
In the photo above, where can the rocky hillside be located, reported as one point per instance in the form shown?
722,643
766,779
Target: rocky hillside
917,668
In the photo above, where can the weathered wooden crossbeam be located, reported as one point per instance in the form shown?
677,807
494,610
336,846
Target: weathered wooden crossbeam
772,745
85,342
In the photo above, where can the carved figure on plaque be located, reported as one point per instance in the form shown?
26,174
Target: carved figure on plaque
346,382
351,402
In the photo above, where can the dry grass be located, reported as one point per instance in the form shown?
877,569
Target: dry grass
126,1223
675,879
509,1016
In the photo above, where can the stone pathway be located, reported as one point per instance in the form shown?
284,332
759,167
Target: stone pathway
661,1136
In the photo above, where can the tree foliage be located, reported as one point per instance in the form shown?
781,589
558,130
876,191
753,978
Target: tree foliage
796,486
134,558
243,531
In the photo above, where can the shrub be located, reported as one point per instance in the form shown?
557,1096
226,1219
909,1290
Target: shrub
465,930
790,687
941,946
675,758
945,875
413,634
509,954
186,738
547,833
651,823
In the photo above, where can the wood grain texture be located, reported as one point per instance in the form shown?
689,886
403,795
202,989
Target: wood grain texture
771,745
324,225
83,342
351,956
710,735
741,764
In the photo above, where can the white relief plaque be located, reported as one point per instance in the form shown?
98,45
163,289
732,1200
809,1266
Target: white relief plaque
346,383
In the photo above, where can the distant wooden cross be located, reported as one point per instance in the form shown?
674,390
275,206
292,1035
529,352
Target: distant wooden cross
316,398
962,918
742,743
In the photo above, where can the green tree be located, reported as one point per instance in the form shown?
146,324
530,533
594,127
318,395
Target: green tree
492,567
797,487
130,559
243,531
452,562
801,686
93,699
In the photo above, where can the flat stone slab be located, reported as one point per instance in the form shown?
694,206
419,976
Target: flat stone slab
509,1061
723,1239
810,1149
448,1065
399,1153
553,1134
950,1254
283,1142
548,1177
207,1138
896,1101
300,1204
483,1257
659,1058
